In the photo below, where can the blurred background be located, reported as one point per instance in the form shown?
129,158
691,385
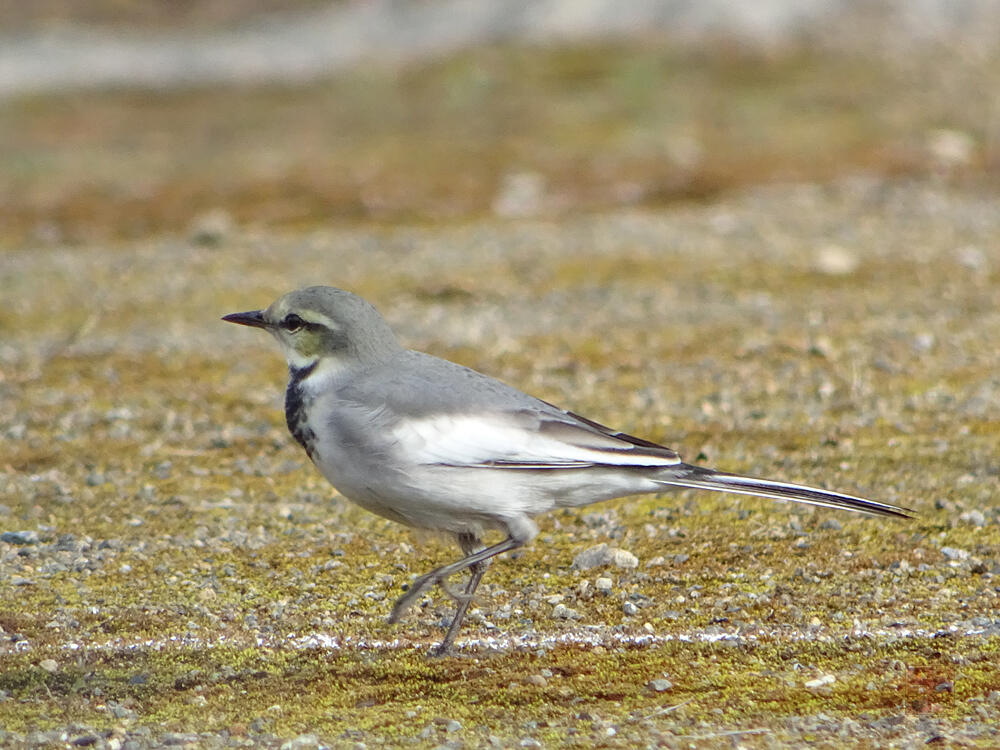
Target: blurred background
766,233
122,119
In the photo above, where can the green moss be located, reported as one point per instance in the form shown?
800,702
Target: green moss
212,547
396,695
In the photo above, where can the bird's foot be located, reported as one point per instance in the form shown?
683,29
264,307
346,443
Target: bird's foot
417,588
440,651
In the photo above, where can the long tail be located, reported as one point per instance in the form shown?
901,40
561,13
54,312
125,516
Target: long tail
697,477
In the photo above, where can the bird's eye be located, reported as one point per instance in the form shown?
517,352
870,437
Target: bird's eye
292,322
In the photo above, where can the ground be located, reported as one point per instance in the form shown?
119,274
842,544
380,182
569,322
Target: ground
173,571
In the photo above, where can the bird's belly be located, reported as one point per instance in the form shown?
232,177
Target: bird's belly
389,493
359,486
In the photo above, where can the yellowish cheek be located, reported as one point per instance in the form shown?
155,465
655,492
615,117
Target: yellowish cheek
308,344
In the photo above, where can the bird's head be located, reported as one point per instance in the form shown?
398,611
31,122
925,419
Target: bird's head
323,326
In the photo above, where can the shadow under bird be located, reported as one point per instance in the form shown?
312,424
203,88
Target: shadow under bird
435,445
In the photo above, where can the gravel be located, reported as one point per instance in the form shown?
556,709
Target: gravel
152,502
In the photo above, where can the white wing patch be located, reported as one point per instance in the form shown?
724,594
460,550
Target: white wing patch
502,440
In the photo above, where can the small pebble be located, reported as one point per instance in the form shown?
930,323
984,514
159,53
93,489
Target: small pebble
603,585
562,612
211,228
179,738
302,742
924,342
834,260
827,679
602,554
521,194
121,712
49,665
19,537
630,609
660,685
951,148
974,517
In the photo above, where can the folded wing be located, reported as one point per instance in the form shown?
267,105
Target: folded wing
525,439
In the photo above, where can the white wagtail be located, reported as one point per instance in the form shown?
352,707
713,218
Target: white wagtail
435,445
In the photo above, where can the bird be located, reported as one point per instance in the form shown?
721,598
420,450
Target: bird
435,445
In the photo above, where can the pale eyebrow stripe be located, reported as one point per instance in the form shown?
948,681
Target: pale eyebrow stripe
310,316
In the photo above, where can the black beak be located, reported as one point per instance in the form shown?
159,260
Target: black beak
254,318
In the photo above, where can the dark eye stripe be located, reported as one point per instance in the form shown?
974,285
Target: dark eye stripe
292,322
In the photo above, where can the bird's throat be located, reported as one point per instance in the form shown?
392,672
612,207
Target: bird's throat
297,400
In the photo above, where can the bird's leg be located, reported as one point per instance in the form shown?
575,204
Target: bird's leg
470,544
437,575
